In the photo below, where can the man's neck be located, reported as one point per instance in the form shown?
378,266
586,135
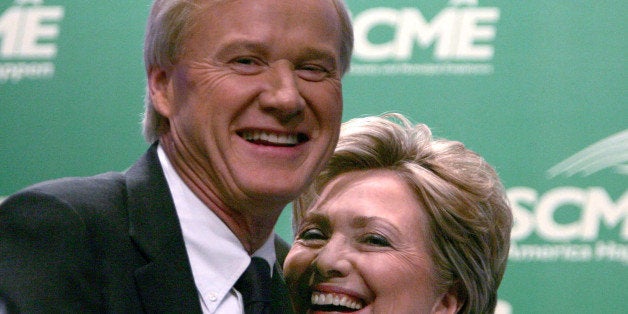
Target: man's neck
252,222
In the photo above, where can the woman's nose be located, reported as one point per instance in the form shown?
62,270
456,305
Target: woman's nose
333,260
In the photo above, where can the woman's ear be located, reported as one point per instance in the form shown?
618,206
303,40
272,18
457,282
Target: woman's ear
448,303
161,91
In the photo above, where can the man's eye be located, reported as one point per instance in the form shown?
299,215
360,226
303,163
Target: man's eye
376,240
312,234
313,68
246,65
246,61
312,73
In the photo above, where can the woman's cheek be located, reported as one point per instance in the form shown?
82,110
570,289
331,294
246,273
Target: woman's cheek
298,260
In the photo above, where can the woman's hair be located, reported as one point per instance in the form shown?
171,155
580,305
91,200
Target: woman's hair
469,216
170,21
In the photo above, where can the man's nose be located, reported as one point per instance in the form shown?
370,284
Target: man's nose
282,96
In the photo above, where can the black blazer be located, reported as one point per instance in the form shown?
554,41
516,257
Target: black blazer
108,243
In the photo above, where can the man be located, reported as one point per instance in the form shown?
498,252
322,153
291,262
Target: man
244,105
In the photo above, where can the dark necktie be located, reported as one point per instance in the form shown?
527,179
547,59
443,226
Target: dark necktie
254,285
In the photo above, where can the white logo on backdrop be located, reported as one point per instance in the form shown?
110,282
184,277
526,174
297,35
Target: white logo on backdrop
458,40
593,209
611,152
28,31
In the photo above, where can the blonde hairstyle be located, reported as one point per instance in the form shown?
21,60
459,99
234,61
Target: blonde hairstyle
469,215
168,25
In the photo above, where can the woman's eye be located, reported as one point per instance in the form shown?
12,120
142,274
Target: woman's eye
376,240
312,234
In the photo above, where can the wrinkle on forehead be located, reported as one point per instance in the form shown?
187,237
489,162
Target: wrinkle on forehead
320,18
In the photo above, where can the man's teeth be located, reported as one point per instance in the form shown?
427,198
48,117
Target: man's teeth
334,299
274,138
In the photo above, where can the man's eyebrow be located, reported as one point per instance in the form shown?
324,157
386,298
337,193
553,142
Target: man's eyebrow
315,53
243,45
305,53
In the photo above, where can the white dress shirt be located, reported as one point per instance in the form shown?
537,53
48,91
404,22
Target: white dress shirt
216,255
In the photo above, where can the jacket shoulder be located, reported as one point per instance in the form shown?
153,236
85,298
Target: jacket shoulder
77,189
281,249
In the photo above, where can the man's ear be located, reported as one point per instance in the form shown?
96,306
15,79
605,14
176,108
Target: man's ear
161,91
448,303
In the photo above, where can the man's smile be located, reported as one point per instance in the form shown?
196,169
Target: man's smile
273,138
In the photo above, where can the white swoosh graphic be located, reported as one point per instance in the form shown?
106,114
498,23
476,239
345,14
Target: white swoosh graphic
611,152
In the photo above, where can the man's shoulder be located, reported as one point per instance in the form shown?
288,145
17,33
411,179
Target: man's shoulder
67,198
81,224
101,188
76,188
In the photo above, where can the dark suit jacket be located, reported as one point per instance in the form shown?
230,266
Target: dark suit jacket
109,243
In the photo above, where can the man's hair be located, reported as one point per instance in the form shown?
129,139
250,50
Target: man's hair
469,215
170,21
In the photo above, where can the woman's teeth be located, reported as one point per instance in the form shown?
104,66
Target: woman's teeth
334,299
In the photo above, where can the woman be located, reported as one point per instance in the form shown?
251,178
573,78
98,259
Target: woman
399,223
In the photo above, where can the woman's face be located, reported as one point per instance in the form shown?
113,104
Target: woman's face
363,247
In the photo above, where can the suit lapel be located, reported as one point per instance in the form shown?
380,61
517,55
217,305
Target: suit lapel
165,283
281,301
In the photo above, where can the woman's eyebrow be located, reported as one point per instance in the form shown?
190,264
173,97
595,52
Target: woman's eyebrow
365,221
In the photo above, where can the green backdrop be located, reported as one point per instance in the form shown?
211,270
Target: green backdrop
537,87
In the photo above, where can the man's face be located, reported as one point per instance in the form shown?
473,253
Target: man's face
255,102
